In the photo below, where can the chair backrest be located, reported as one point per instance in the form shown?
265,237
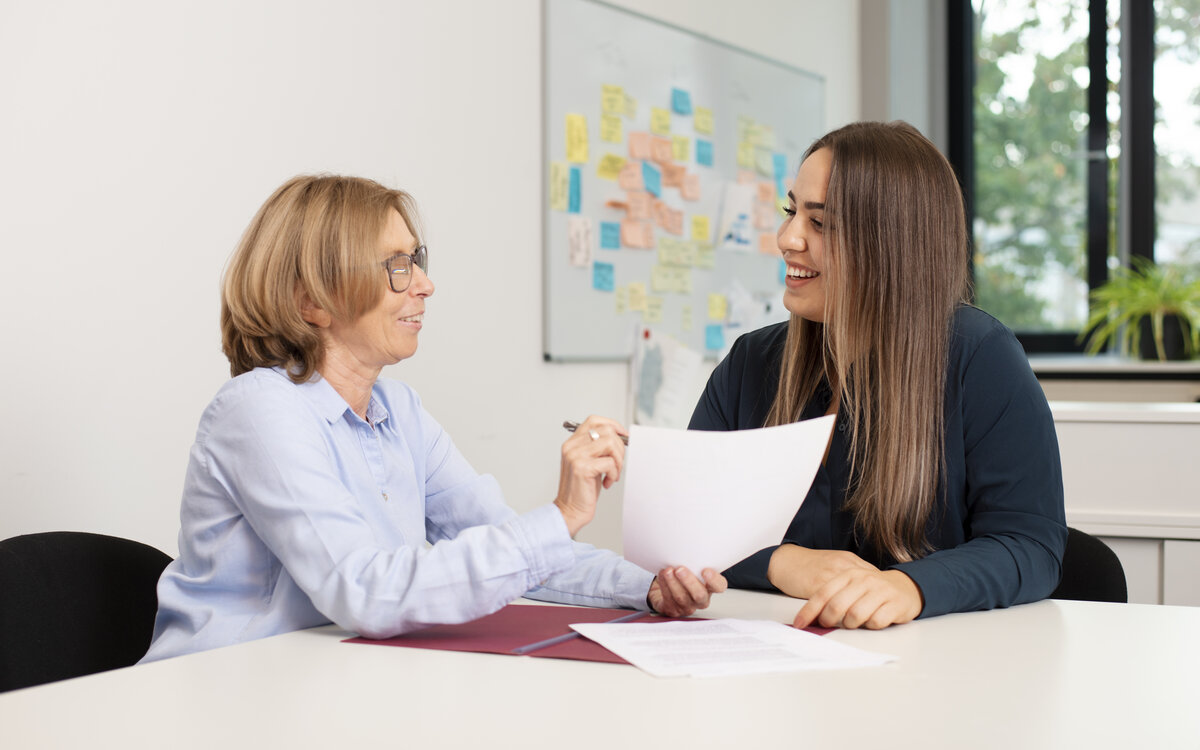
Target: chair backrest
74,603
1091,571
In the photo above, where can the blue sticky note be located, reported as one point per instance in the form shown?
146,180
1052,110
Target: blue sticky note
782,271
681,102
779,161
610,235
573,197
714,337
704,153
652,179
602,276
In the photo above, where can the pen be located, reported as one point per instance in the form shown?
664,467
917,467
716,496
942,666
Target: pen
573,634
570,426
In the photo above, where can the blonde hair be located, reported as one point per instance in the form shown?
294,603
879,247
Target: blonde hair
316,236
896,269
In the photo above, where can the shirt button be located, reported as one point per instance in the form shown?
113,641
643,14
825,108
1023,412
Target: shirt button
842,426
385,497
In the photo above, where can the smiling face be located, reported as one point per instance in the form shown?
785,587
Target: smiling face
387,333
801,238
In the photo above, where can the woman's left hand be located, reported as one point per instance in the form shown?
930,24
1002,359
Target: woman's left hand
677,592
859,598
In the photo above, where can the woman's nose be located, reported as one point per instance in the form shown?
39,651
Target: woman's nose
422,285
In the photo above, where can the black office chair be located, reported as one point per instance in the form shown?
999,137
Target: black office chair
1091,571
74,603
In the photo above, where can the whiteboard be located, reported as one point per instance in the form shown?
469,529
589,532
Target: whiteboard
618,90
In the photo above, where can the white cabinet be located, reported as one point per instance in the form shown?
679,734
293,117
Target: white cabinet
1131,473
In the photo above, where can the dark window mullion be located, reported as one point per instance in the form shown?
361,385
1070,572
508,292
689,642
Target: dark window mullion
1137,124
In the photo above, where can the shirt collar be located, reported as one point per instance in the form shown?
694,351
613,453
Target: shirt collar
330,403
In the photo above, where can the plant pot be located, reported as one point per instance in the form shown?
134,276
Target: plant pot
1173,343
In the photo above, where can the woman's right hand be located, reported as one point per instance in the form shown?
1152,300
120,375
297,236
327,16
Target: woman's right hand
801,572
588,464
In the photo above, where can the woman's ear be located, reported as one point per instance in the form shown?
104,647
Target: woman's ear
311,313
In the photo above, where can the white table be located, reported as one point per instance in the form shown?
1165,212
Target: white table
1045,675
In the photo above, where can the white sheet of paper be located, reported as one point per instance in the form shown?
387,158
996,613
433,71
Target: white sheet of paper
708,499
710,648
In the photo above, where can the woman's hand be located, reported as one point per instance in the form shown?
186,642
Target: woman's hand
801,572
676,592
863,598
591,458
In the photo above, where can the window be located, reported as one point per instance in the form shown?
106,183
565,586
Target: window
1067,167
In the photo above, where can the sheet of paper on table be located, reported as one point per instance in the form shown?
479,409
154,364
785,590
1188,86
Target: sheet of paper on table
709,499
712,648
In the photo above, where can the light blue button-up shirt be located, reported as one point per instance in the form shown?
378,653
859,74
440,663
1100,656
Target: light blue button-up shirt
297,512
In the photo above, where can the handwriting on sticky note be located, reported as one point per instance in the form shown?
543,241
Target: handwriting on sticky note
660,121
574,190
611,128
637,296
701,228
609,167
602,276
702,120
560,185
681,147
718,306
639,146
654,310
579,240
612,99
681,102
610,235
690,189
577,139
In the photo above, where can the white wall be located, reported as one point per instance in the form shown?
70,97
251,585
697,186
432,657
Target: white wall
138,138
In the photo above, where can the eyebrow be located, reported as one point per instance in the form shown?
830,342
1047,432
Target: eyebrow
809,205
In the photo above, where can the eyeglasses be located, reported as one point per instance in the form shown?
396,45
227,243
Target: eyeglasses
399,267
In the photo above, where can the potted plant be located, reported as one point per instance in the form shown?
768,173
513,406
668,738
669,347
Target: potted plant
1149,309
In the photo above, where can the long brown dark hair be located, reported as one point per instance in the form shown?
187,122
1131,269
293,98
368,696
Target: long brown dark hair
896,269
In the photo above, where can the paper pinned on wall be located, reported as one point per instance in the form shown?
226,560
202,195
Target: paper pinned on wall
709,499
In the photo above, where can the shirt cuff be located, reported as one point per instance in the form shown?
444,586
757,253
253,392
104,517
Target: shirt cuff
545,542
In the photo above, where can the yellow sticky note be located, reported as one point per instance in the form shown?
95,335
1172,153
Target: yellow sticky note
610,129
702,120
621,298
630,106
637,296
560,176
701,228
685,322
654,310
681,147
660,121
706,255
745,155
612,99
718,307
577,139
609,166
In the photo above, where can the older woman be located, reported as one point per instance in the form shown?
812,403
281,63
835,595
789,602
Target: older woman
313,486
941,489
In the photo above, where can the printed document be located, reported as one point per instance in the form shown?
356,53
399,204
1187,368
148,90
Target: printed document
709,499
710,648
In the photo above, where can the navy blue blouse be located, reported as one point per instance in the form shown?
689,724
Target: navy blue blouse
999,529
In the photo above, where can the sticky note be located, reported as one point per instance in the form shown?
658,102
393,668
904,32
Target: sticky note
609,167
637,296
577,139
718,306
610,235
702,120
654,310
706,255
579,240
782,271
766,216
745,155
690,189
685,318
639,146
779,162
660,121
612,99
767,244
575,190
639,234
704,155
639,206
630,106
652,179
680,147
714,337
766,192
630,176
701,228
681,102
602,276
764,162
560,186
611,130
621,300
661,149
673,175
